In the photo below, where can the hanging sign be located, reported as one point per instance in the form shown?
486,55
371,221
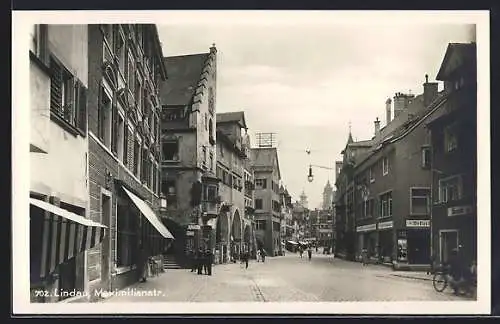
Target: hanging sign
385,225
193,227
189,233
418,223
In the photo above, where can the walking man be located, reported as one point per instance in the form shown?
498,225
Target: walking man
200,261
246,256
309,253
301,251
364,257
209,261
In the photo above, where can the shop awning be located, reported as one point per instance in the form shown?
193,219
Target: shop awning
64,235
150,215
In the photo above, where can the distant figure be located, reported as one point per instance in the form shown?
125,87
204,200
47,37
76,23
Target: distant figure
301,251
244,259
200,261
263,254
208,262
258,255
364,257
192,260
309,253
143,263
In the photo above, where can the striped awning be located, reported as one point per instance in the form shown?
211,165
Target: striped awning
150,215
64,235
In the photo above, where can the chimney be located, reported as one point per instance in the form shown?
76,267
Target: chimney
377,126
430,91
388,110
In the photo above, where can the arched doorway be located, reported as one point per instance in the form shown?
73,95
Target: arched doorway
247,239
221,237
236,234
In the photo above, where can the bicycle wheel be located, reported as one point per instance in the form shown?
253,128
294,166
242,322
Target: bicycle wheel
439,282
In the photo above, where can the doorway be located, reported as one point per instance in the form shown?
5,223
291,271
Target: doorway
418,246
448,240
106,244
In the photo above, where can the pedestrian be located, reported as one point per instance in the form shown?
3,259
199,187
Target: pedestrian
209,261
364,257
200,261
309,253
143,263
263,253
258,255
301,251
246,256
192,260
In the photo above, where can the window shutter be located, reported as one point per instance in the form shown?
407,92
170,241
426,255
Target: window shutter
114,125
125,144
82,108
56,87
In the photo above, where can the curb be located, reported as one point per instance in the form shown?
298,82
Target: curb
411,277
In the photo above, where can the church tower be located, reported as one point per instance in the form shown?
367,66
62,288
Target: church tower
303,199
327,196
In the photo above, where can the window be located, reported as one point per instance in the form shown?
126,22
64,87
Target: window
137,157
120,138
211,166
260,224
170,150
206,122
120,52
211,132
210,193
450,138
38,44
372,174
131,72
450,189
261,183
368,208
144,166
420,201
68,96
169,190
385,165
138,93
104,117
107,31
211,101
258,203
426,157
386,205
221,150
204,156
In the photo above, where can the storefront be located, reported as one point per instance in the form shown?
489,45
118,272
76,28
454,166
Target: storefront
367,239
418,239
385,241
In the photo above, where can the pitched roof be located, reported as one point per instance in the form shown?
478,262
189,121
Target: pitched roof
265,157
461,53
184,73
232,117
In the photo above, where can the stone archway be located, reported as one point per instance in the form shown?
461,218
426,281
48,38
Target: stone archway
221,237
236,234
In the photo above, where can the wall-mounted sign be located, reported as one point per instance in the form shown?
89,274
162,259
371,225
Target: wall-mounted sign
193,227
385,225
459,210
366,228
189,233
418,223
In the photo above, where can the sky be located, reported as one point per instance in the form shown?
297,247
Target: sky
308,81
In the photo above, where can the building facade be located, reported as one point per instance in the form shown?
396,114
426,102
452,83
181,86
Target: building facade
267,175
234,233
453,129
188,164
324,228
59,184
287,222
125,70
327,196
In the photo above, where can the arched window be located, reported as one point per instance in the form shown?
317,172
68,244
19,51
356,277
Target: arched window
211,132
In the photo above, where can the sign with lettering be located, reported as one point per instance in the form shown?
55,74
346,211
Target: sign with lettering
459,210
193,227
418,223
366,228
385,225
189,233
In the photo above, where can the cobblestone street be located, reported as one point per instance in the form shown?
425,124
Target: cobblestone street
289,279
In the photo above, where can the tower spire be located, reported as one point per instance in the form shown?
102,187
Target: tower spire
349,139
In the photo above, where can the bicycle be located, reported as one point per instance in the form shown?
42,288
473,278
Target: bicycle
440,279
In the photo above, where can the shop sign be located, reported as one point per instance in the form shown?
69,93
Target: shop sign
418,223
366,228
193,227
385,225
459,210
189,233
